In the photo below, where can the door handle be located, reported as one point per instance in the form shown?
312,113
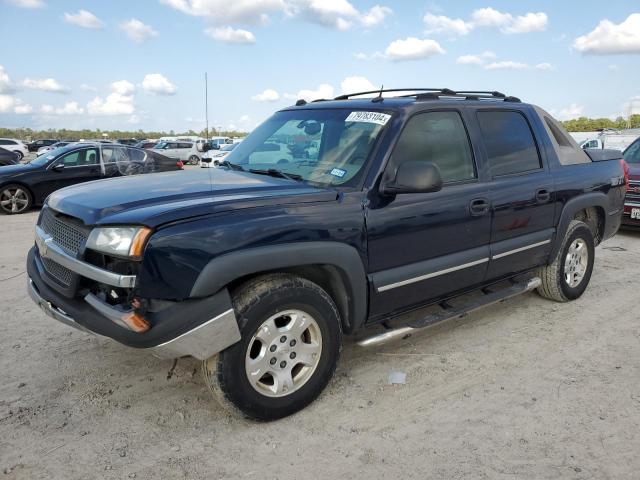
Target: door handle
543,195
479,207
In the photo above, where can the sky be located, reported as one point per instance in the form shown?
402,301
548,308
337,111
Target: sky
140,64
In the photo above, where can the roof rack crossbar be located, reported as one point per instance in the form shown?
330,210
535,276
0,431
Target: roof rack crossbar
432,93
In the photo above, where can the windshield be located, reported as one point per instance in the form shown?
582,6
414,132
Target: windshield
160,145
229,147
46,157
632,154
328,147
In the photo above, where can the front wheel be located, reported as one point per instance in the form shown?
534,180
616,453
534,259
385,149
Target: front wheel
19,154
193,160
289,350
568,276
15,199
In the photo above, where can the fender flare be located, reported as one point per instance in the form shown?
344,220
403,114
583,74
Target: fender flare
222,270
573,206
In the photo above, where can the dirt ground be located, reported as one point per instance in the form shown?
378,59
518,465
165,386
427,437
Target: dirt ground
525,389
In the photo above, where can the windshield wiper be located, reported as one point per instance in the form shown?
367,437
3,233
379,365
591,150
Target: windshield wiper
231,166
274,172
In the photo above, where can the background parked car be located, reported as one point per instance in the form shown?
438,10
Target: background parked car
187,152
147,144
631,215
15,146
37,144
25,185
213,157
7,157
48,148
128,141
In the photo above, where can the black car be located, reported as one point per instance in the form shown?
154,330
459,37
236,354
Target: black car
7,157
453,200
25,185
147,145
35,145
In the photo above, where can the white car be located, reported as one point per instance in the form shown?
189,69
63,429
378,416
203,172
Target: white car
14,145
187,152
275,153
213,157
48,148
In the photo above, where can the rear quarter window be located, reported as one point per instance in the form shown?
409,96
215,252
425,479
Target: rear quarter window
509,142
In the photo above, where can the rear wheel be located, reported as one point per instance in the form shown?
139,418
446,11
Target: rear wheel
568,276
289,349
15,199
19,154
193,160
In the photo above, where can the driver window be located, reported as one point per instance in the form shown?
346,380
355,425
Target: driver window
439,138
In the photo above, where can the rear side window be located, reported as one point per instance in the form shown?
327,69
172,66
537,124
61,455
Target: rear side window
439,138
509,142
185,145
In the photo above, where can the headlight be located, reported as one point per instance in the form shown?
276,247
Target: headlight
119,241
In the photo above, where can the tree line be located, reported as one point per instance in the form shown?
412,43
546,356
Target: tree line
28,134
584,124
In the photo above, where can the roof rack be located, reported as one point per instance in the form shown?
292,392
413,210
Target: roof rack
436,93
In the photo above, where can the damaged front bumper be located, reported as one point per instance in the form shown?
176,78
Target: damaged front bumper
195,327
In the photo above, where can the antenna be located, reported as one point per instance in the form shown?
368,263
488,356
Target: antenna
379,98
206,104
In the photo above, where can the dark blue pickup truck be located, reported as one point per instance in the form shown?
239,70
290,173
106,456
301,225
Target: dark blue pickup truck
330,217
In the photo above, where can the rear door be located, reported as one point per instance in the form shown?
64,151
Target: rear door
521,192
423,246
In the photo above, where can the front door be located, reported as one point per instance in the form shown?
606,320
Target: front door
423,246
78,166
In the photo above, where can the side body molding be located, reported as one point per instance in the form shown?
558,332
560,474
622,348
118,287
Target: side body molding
573,206
226,268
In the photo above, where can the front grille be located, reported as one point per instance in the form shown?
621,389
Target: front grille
68,236
57,271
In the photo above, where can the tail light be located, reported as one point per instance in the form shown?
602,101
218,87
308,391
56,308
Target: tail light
625,169
180,165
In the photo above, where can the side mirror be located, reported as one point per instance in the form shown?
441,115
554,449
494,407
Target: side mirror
58,167
414,177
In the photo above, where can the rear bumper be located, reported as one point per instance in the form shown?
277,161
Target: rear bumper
626,218
199,327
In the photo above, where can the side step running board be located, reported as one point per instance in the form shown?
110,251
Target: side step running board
450,312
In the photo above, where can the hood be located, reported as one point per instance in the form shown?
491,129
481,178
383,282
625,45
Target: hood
157,198
14,169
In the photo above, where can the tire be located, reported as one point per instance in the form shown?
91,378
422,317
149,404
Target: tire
567,277
19,154
193,160
302,358
15,199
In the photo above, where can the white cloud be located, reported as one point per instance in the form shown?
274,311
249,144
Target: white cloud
269,95
486,18
244,118
47,109
544,66
6,103
70,108
23,109
480,59
27,3
531,22
88,88
572,111
83,19
6,85
446,25
338,14
507,65
356,84
118,102
490,17
137,31
223,11
231,35
158,84
324,90
609,38
375,16
412,49
44,85
613,68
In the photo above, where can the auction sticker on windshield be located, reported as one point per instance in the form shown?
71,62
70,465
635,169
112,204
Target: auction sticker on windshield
369,117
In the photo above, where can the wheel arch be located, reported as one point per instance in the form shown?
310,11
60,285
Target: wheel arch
336,267
589,202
